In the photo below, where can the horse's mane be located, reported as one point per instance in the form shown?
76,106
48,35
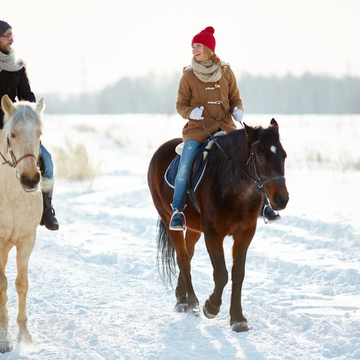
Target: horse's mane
22,110
235,146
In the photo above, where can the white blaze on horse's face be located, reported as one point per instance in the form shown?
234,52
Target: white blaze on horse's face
273,149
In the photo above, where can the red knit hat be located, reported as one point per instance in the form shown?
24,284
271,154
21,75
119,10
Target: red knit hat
206,38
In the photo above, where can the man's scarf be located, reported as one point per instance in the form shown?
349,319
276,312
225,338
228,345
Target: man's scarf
9,62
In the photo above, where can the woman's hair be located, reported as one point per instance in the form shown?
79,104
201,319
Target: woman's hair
214,58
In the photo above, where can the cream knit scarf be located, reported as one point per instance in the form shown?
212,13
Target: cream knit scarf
8,62
206,71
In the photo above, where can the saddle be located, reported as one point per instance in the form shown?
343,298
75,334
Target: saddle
197,169
196,172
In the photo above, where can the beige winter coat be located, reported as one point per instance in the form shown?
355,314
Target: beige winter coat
218,99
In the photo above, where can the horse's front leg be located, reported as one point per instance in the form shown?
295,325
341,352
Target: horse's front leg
22,285
242,241
214,245
5,339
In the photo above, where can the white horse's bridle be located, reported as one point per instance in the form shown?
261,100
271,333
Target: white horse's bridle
13,163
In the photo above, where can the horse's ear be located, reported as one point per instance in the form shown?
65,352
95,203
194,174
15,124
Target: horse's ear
274,124
249,131
7,105
40,105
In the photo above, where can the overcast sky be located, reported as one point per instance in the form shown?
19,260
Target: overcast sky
83,45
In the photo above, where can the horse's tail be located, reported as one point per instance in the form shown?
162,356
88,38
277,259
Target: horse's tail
166,254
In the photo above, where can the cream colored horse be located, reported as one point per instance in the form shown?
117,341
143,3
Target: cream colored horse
20,203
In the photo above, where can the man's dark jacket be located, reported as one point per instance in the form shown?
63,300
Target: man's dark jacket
15,84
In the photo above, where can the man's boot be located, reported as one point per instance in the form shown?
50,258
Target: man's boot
48,218
267,212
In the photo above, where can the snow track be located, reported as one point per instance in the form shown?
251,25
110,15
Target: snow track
95,292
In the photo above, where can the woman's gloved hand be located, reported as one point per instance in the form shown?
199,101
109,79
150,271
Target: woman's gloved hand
238,114
196,113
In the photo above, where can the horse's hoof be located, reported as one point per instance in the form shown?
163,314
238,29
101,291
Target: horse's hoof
210,311
181,307
240,326
4,348
194,311
5,342
24,336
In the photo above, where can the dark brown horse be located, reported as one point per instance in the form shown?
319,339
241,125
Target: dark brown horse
245,164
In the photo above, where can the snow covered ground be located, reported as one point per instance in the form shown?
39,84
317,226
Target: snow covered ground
95,292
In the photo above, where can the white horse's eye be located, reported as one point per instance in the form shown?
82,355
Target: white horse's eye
273,149
13,135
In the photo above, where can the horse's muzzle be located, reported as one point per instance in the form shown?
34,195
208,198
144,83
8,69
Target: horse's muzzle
30,184
277,194
279,201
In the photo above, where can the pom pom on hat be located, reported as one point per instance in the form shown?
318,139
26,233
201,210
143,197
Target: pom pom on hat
206,37
4,26
210,29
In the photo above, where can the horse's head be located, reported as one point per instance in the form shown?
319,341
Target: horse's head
268,157
20,140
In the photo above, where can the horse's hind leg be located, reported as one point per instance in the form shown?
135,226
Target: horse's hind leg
183,260
214,244
5,339
22,286
191,239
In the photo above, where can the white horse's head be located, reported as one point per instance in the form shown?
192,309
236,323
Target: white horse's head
22,131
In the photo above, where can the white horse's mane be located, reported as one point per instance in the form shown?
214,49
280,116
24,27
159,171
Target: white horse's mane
22,110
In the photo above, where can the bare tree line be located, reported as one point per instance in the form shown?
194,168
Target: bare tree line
307,94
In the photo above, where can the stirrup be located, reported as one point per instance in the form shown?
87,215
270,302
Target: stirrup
276,216
177,221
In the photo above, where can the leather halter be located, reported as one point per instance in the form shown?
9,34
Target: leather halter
13,163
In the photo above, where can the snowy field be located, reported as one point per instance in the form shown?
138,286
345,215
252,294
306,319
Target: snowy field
95,292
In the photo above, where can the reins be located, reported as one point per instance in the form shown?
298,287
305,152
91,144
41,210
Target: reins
214,139
210,135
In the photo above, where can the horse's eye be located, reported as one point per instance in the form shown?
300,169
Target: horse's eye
13,135
261,159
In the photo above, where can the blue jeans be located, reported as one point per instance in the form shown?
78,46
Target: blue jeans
49,165
181,181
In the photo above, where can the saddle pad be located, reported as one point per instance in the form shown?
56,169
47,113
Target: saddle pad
196,175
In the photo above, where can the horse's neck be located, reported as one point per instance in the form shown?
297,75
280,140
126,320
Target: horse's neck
229,179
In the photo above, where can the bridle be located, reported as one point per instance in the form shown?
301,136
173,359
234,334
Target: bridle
13,163
257,181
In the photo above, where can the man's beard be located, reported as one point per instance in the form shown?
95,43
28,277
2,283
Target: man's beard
5,49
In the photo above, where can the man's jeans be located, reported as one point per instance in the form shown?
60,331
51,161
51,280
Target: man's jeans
49,166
